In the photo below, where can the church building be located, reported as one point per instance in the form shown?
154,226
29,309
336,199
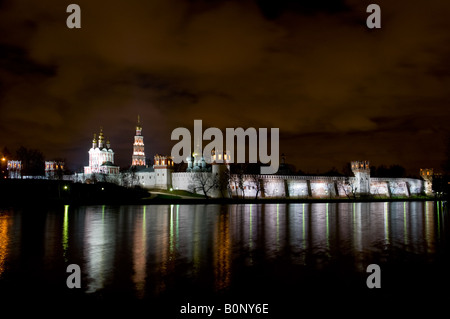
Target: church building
101,157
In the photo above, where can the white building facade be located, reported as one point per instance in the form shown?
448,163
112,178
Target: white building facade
101,157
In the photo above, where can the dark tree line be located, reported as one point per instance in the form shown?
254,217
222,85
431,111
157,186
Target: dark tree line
375,171
385,171
446,162
32,161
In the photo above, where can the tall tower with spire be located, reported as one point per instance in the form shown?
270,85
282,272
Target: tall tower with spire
138,158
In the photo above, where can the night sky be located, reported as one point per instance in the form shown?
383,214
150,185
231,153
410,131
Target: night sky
337,90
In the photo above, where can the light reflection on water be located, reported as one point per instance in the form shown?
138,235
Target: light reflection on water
154,248
5,220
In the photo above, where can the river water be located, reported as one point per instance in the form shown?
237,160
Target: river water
295,258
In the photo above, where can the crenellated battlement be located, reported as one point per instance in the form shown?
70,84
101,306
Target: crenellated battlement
162,161
361,170
426,173
219,157
360,166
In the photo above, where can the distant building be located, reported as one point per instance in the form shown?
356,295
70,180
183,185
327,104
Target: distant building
14,169
101,157
54,169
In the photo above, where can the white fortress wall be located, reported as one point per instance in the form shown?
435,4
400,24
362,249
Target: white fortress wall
273,185
396,186
181,180
146,179
327,186
298,188
379,187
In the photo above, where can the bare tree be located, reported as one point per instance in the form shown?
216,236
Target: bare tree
330,189
124,180
133,176
234,179
204,182
32,161
349,187
241,185
258,184
102,177
223,183
239,178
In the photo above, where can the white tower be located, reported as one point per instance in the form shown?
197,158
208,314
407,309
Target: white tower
427,175
163,166
138,158
361,169
221,173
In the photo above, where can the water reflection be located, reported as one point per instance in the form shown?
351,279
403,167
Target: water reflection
100,237
5,220
65,236
222,256
150,250
140,252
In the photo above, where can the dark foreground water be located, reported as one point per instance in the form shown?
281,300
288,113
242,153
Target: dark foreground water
150,261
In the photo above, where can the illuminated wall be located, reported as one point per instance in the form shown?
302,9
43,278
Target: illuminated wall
297,186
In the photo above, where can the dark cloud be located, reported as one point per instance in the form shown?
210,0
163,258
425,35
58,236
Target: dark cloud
273,9
337,90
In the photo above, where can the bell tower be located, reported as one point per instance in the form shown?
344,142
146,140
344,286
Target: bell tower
138,158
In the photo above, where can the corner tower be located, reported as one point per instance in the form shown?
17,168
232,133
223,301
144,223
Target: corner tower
163,166
138,158
427,175
220,173
361,169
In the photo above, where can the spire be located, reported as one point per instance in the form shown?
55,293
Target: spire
100,138
197,150
94,141
138,126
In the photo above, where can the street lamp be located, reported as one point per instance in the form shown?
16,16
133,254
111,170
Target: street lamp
3,168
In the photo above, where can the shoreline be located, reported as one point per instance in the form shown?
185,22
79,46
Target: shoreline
15,193
201,201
